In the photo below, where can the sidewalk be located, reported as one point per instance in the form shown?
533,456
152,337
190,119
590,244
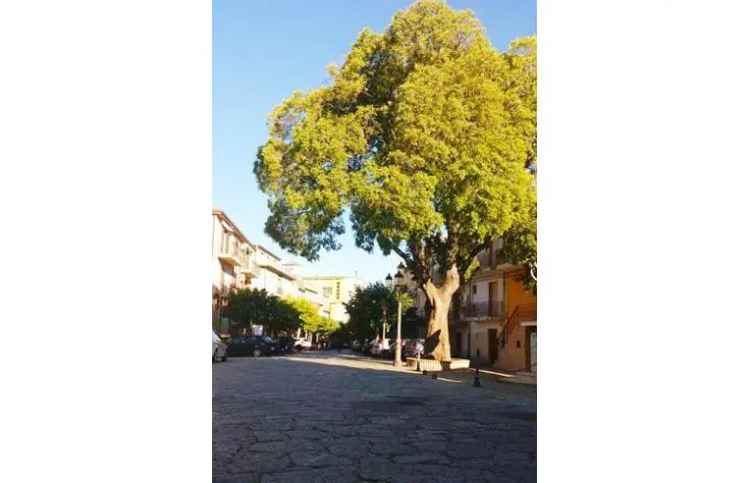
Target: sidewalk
517,377
487,375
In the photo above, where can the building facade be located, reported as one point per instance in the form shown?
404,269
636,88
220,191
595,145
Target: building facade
483,310
496,323
517,344
239,264
232,267
274,276
336,291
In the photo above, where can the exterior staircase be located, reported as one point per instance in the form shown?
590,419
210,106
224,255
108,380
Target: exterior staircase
522,313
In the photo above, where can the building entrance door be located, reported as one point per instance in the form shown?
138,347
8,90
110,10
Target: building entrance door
492,344
532,349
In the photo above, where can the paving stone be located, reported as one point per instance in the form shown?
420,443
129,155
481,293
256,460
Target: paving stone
321,475
266,436
349,449
329,418
269,447
247,478
245,462
386,447
374,468
418,458
319,459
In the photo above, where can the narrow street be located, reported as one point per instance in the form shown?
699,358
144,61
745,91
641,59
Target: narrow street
339,417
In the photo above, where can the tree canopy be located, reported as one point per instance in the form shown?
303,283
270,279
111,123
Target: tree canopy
310,319
425,137
256,306
368,308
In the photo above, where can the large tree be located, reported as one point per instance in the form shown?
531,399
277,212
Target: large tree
425,137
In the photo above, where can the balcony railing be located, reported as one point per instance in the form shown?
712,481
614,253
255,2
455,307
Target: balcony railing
484,310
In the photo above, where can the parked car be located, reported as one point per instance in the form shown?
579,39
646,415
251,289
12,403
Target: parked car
378,346
219,349
390,352
412,347
302,344
252,345
285,344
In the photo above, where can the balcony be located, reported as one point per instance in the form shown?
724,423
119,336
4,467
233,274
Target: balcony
484,310
232,255
277,269
249,267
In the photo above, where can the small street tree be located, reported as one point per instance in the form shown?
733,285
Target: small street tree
309,316
425,137
369,309
254,306
247,307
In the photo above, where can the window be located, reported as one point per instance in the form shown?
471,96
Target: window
474,289
327,291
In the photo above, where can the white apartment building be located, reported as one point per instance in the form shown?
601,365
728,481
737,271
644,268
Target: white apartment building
272,275
231,255
238,264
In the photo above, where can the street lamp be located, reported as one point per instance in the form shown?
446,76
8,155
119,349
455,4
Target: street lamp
399,290
384,306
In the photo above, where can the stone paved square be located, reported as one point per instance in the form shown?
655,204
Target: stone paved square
338,417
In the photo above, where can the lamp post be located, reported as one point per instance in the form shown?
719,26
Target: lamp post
389,284
399,290
395,285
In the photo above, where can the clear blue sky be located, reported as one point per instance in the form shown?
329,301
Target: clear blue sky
265,49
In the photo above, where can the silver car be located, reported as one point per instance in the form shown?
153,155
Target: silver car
220,349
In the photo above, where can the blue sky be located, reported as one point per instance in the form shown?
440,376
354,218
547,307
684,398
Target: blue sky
265,49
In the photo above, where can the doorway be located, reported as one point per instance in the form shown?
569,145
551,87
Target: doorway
531,349
492,344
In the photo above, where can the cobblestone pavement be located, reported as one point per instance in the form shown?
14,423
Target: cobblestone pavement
330,417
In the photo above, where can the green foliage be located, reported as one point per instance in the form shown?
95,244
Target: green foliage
276,314
248,307
426,136
342,334
309,316
520,247
366,310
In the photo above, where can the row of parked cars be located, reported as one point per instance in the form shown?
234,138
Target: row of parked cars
255,346
386,349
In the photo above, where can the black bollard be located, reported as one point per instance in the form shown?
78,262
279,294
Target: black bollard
476,377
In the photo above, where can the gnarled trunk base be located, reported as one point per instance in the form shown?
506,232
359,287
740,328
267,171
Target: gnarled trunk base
437,343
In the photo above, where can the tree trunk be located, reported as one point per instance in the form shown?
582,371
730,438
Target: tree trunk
438,339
